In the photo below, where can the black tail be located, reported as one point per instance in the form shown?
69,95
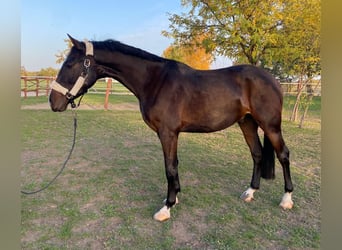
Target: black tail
267,167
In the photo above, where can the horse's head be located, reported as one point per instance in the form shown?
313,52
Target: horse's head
77,75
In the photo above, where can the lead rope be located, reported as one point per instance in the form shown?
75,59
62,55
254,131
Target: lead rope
69,155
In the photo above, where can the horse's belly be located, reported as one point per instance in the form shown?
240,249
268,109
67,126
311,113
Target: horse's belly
209,122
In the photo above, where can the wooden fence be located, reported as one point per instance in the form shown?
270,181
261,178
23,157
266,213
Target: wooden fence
292,88
35,85
40,85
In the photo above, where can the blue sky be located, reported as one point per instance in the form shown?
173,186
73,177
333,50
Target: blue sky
44,25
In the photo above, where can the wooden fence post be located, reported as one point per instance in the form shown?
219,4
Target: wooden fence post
109,86
37,87
48,82
25,87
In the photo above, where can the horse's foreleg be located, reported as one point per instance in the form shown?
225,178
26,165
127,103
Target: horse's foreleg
169,142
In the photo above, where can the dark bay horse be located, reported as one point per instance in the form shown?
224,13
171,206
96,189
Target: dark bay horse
176,98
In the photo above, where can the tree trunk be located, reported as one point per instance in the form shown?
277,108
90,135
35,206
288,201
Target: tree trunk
294,113
308,103
295,109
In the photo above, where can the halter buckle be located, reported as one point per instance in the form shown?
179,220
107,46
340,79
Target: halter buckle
86,63
69,96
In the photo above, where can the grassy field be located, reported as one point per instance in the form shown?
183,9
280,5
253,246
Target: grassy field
115,182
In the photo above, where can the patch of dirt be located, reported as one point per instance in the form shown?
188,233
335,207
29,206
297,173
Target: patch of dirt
124,106
43,222
92,205
187,235
36,106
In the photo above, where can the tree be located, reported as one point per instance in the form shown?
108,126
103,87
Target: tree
302,37
42,72
194,55
242,30
23,71
61,55
48,72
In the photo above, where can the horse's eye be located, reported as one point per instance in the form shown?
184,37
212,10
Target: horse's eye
69,65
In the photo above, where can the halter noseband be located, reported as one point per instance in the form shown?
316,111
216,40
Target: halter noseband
70,94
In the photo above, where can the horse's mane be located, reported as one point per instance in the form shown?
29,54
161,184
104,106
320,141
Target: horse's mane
113,45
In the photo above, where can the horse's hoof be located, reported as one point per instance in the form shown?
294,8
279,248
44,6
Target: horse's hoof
163,214
248,196
286,201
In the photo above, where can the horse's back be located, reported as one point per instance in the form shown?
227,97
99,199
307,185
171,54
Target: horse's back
250,84
237,77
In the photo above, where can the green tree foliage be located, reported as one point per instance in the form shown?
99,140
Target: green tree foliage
48,72
279,34
43,72
298,51
301,48
241,30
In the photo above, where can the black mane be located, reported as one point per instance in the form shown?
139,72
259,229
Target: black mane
113,45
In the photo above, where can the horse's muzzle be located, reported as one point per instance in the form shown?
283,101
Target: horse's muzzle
58,102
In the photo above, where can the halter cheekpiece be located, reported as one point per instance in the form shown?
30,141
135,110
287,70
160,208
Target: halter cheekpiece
70,94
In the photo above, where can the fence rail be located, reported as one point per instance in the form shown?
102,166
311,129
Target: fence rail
35,85
291,88
40,85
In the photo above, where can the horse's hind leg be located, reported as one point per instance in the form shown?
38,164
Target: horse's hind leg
283,156
249,128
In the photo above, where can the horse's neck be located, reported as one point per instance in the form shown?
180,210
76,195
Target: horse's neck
135,73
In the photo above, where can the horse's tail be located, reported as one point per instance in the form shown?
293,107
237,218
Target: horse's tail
267,165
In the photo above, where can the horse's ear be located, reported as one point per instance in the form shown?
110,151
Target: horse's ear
76,43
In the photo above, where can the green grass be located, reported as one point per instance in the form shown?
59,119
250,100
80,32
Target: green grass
90,99
32,100
314,112
115,182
